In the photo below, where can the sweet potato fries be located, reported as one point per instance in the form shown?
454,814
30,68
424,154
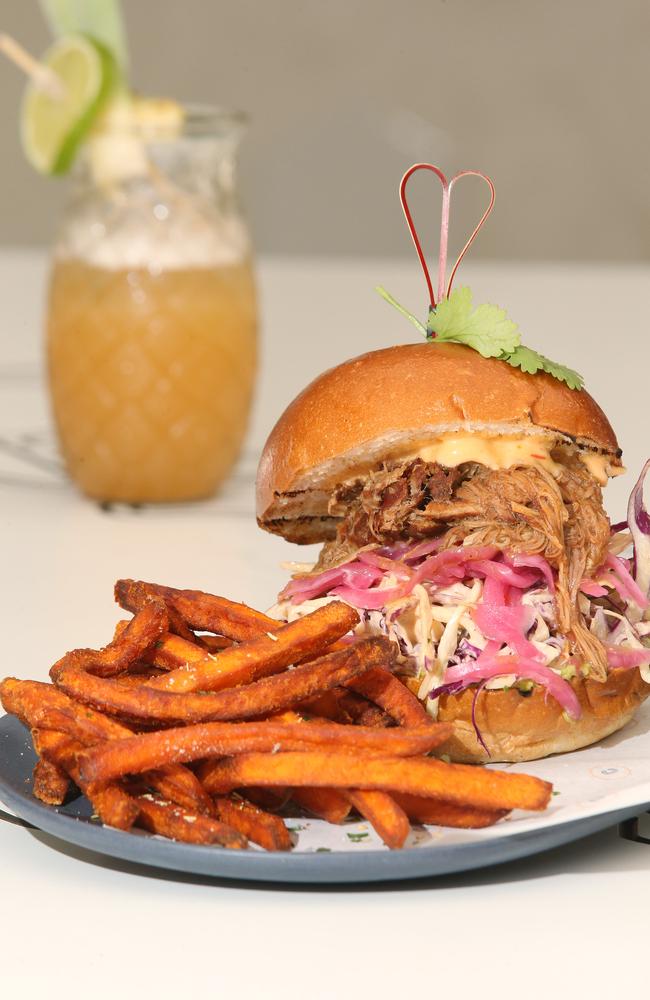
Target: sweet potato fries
198,737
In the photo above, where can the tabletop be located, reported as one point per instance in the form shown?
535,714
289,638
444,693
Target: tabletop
575,917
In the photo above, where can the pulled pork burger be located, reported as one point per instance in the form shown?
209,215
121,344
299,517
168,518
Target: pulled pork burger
459,503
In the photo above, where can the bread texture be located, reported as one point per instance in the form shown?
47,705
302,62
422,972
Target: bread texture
384,404
518,727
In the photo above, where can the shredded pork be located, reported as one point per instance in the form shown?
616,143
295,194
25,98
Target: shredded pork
524,509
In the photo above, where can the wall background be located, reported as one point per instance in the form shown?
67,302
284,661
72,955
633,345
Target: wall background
550,97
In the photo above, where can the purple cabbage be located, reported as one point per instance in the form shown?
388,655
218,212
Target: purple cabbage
638,521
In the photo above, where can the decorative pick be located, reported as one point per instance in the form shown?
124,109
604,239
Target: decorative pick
452,316
447,186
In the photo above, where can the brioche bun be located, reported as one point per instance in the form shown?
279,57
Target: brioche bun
386,403
518,727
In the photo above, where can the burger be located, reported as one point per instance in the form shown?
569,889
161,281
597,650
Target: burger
458,501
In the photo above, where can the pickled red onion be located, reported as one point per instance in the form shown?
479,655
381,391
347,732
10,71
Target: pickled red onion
522,560
502,572
626,584
627,659
374,598
352,574
592,589
507,625
435,568
372,558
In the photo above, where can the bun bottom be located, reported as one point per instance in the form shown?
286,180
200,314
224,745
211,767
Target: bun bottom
518,727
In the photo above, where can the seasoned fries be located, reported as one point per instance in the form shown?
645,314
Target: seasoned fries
204,738
389,693
51,783
260,827
262,697
387,817
436,813
461,784
111,802
303,639
168,820
132,644
223,739
198,610
325,803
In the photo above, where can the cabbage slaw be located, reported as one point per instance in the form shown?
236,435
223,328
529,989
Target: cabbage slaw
476,615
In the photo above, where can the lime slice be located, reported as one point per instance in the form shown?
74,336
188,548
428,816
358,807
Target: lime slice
53,128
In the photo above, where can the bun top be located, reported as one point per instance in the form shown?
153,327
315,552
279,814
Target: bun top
387,403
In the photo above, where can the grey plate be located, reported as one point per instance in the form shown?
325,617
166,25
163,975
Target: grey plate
72,823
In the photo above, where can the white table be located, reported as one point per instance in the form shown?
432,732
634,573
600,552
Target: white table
572,918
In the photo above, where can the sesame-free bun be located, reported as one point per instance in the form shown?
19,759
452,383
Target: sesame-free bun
387,403
518,727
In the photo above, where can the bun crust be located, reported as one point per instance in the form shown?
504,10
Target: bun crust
380,402
517,728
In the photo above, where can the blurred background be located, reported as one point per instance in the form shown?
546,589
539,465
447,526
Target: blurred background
550,98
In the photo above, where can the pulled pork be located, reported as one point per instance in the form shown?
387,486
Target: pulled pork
524,509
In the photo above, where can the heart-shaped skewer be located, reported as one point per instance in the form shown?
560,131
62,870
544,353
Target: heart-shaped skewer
447,185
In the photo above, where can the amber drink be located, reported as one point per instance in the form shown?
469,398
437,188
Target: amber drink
151,329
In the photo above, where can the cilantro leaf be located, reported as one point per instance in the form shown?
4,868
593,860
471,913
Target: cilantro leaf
487,328
531,362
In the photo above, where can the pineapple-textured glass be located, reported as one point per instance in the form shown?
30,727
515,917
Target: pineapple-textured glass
151,330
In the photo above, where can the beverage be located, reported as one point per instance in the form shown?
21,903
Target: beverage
151,328
151,375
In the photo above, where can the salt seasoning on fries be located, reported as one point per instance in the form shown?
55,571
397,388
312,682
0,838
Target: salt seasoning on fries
272,652
246,701
223,739
263,712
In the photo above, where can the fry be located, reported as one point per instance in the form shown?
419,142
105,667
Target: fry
168,820
51,783
269,799
325,803
181,786
392,695
215,643
136,680
222,739
289,644
134,596
362,712
173,651
327,705
113,805
43,706
199,610
458,783
262,697
434,812
255,824
382,811
131,645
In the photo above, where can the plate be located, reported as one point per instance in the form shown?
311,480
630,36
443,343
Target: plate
323,853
